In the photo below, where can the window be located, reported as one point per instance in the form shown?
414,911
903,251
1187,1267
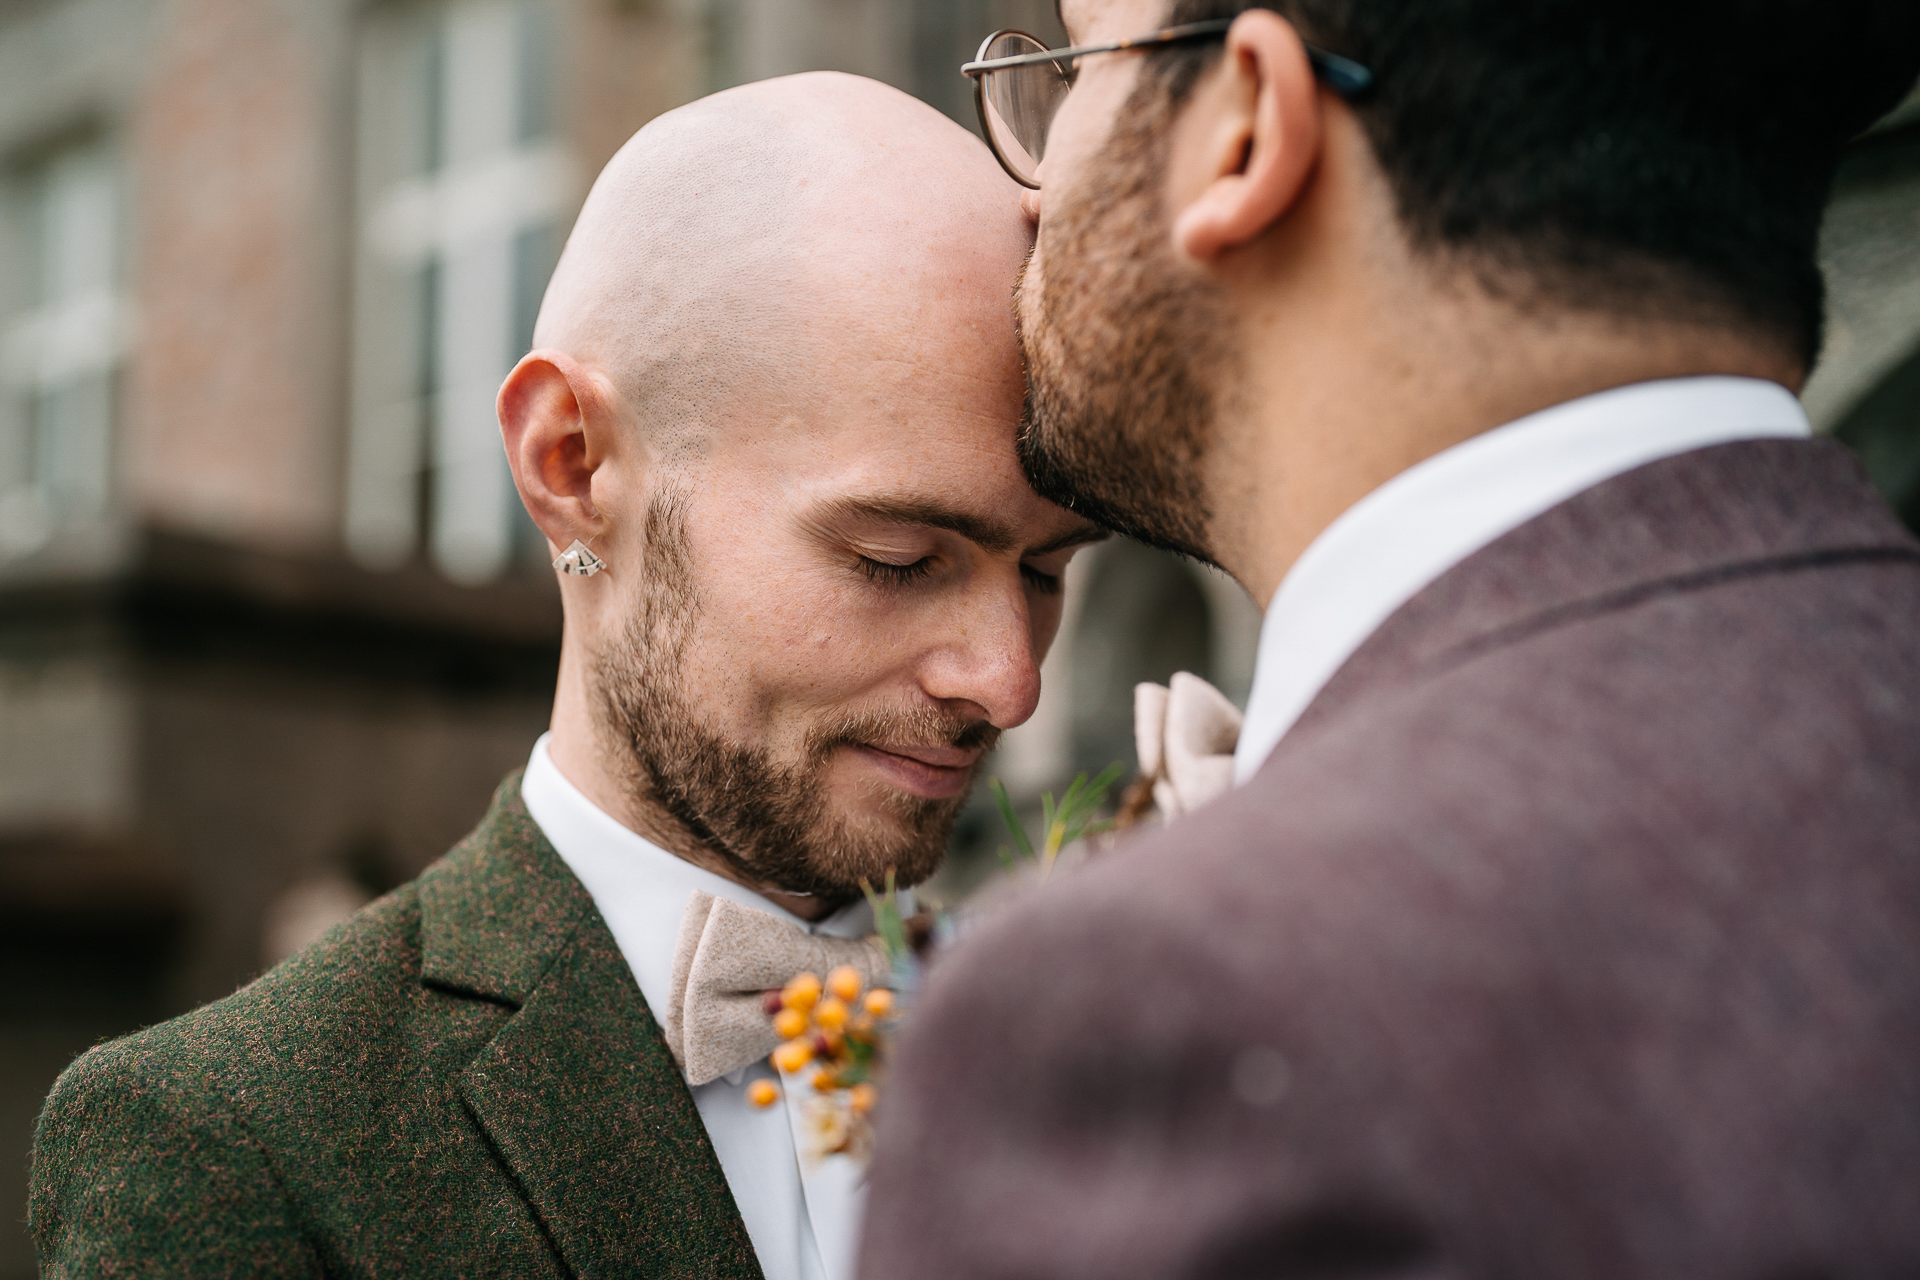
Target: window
63,330
462,188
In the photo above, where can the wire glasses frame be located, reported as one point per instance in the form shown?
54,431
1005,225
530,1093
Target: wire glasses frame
1018,84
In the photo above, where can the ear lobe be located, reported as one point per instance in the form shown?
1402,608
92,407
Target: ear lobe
549,409
1252,138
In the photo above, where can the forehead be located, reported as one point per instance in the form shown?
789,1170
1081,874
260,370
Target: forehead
929,402
916,437
946,424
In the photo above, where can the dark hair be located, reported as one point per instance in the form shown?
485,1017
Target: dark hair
1640,156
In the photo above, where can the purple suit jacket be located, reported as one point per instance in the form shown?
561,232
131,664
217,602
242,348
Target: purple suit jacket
1574,932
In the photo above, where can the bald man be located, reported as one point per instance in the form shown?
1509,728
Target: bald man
769,430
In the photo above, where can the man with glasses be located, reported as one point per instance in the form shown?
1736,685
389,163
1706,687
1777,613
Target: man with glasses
1565,920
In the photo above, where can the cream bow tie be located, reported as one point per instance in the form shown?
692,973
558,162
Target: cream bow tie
726,960
1185,735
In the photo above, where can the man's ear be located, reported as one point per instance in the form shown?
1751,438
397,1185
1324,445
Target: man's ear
555,415
1247,140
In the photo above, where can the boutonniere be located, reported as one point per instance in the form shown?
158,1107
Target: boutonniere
840,1029
837,1032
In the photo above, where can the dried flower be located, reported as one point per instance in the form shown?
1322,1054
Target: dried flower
829,1126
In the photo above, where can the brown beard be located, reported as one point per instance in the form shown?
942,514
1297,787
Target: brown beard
1122,348
768,820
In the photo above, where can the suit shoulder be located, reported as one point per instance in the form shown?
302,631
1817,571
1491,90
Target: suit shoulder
346,988
142,1161
1675,752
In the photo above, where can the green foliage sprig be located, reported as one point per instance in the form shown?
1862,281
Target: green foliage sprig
888,922
1075,816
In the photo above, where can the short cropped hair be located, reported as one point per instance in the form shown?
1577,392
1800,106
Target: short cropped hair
1642,156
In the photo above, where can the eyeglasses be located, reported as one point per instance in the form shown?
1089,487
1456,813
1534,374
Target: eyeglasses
1019,83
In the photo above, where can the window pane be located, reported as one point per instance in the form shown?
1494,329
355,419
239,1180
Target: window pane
65,329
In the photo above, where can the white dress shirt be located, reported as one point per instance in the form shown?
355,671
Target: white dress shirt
1382,550
802,1215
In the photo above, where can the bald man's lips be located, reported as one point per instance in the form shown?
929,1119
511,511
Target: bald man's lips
934,773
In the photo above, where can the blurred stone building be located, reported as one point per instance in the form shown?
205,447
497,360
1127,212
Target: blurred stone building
271,623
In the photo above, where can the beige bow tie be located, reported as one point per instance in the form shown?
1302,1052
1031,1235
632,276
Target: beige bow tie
726,960
1185,732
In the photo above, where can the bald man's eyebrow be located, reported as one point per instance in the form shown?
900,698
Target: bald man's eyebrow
1080,537
993,535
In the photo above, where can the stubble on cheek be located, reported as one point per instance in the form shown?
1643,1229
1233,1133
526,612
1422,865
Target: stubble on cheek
1123,346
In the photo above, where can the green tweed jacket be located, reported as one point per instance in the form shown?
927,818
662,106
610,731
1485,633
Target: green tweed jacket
462,1080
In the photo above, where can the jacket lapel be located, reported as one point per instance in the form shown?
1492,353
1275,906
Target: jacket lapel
577,1093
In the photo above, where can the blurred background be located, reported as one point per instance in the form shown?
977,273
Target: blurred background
272,625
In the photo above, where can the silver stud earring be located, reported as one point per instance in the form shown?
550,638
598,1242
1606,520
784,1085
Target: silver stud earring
579,561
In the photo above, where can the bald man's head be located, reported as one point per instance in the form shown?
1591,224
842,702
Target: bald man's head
734,245
777,390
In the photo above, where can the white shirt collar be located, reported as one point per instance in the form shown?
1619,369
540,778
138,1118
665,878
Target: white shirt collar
1382,550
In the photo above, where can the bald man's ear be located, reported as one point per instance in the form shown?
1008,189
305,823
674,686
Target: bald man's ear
1247,141
554,416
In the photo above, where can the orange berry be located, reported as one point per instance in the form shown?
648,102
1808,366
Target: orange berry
831,1015
861,1029
862,1097
762,1094
826,1081
880,1002
802,993
792,1056
845,983
789,1023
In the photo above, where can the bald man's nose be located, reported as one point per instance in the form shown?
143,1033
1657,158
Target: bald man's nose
990,663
